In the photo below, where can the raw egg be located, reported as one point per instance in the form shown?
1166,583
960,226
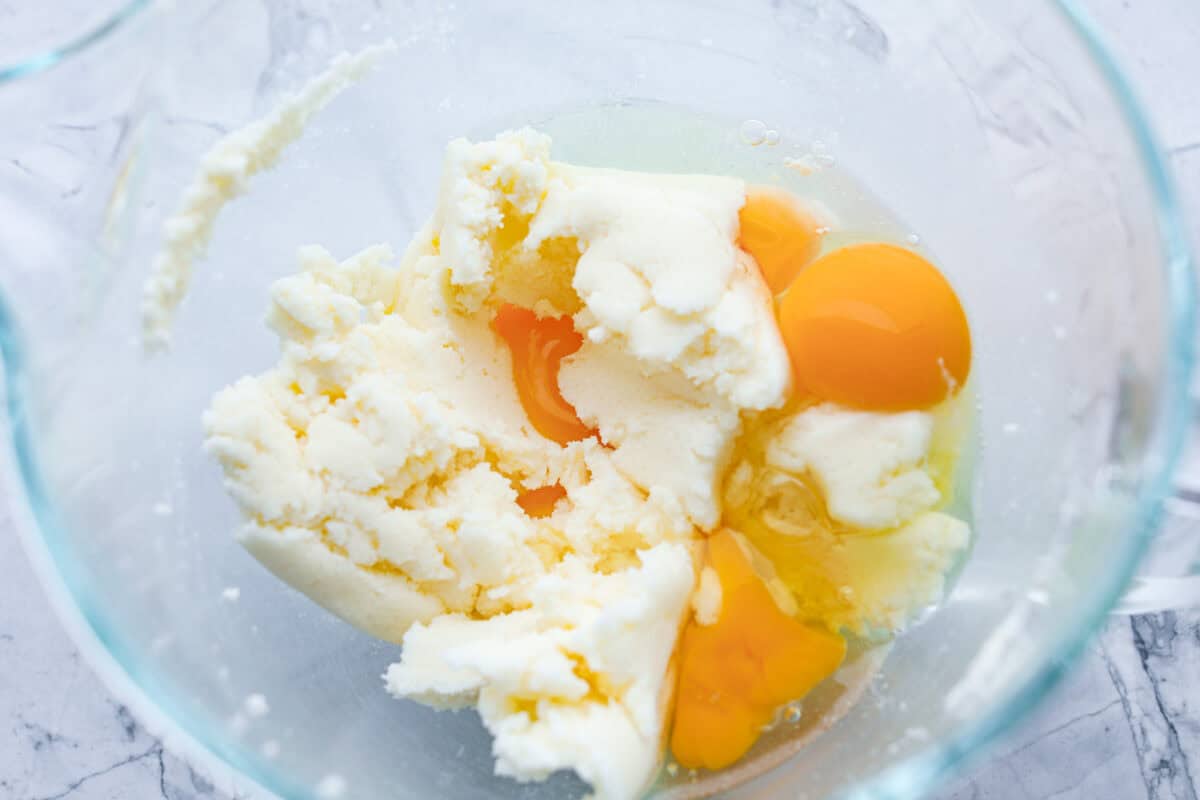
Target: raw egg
780,235
877,327
737,672
538,346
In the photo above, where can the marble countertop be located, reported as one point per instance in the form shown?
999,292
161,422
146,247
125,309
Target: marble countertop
1124,724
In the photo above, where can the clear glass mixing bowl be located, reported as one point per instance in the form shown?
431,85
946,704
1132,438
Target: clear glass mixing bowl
999,131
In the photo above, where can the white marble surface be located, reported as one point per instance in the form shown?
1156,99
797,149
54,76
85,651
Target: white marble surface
1124,724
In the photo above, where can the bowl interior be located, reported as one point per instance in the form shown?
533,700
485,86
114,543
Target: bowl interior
990,131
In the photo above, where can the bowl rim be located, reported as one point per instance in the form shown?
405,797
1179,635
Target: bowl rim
912,776
917,774
56,54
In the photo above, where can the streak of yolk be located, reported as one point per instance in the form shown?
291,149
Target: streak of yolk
780,235
735,673
538,346
539,502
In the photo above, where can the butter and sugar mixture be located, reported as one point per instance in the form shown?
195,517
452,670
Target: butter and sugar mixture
572,451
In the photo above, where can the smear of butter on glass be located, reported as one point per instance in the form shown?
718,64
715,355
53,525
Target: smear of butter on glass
224,174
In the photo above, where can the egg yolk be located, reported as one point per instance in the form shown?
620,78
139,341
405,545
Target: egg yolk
736,673
876,327
779,234
538,346
539,502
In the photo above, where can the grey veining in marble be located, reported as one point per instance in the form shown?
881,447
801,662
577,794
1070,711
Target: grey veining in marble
63,735
1124,724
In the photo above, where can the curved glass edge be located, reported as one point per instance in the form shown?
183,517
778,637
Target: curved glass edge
100,644
43,61
918,774
911,777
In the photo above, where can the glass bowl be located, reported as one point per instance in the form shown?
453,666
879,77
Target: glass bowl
1002,133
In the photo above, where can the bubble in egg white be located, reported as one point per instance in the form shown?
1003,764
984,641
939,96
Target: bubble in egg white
754,132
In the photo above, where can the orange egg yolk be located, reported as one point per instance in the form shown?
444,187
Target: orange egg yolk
877,327
780,235
539,502
737,672
538,346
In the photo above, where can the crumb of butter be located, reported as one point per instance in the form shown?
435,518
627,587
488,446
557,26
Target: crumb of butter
869,465
706,600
